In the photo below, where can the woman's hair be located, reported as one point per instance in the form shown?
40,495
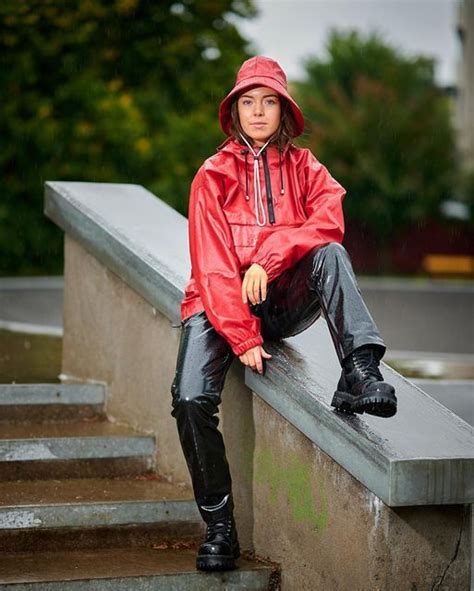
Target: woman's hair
282,136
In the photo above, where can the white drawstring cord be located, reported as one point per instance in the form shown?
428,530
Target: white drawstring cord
257,190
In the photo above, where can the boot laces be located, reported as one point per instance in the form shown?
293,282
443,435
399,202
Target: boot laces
221,526
365,361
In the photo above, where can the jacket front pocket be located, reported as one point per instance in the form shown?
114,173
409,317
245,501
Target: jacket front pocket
244,234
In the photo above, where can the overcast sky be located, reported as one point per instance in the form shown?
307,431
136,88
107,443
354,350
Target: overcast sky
289,30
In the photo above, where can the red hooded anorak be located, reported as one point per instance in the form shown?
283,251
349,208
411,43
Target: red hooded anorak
228,232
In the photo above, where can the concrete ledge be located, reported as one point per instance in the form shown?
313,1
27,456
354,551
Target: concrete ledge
139,237
403,460
422,456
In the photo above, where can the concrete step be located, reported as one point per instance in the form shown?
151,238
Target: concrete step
92,503
32,512
125,570
71,449
39,402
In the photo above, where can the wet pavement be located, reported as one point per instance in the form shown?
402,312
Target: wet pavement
120,563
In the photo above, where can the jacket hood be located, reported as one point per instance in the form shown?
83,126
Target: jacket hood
259,71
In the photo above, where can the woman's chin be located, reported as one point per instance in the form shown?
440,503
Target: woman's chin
260,138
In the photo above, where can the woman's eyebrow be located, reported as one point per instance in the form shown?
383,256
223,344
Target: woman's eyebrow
264,96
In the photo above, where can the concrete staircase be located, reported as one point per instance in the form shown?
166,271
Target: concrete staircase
81,509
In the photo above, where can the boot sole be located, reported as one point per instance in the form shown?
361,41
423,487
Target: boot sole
217,561
379,406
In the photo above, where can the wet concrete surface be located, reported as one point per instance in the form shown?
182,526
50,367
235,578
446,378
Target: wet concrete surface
102,467
107,564
65,430
25,443
89,490
169,534
84,503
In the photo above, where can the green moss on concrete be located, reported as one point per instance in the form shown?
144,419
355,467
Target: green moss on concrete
293,480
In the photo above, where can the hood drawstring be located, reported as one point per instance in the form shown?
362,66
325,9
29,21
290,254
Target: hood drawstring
257,189
256,178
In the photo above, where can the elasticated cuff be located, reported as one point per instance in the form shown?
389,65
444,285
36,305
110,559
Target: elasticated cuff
248,344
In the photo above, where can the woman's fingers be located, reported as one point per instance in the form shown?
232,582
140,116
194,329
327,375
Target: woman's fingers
253,358
256,360
250,289
256,291
254,286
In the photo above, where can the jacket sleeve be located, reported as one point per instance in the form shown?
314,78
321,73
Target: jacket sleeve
325,222
216,266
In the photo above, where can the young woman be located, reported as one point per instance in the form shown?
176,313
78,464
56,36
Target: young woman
265,232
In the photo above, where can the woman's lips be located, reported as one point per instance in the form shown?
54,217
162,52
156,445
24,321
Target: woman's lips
258,124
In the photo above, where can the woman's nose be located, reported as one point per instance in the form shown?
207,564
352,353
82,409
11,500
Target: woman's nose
258,109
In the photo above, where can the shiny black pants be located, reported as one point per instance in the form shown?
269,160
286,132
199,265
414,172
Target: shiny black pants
322,281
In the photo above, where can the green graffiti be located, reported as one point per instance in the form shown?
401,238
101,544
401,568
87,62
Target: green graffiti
295,481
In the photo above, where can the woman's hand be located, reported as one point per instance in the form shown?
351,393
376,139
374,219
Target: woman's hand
254,284
253,358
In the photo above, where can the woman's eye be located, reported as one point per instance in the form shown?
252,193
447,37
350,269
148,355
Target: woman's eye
247,102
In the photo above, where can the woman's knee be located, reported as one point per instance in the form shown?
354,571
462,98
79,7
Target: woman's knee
329,254
328,257
190,397
332,249
182,393
203,360
183,401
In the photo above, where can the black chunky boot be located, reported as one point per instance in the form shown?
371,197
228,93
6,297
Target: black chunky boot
361,387
221,546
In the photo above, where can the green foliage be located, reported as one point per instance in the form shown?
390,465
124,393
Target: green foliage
107,91
377,120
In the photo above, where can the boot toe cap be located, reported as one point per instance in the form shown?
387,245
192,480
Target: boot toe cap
380,388
215,549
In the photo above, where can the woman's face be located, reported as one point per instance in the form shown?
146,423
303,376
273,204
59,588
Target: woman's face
259,113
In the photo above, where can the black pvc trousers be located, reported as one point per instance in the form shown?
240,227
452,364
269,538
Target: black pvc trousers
322,281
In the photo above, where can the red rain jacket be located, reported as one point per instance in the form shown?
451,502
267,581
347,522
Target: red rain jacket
225,239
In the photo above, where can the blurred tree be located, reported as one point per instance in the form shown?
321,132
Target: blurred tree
110,91
377,120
